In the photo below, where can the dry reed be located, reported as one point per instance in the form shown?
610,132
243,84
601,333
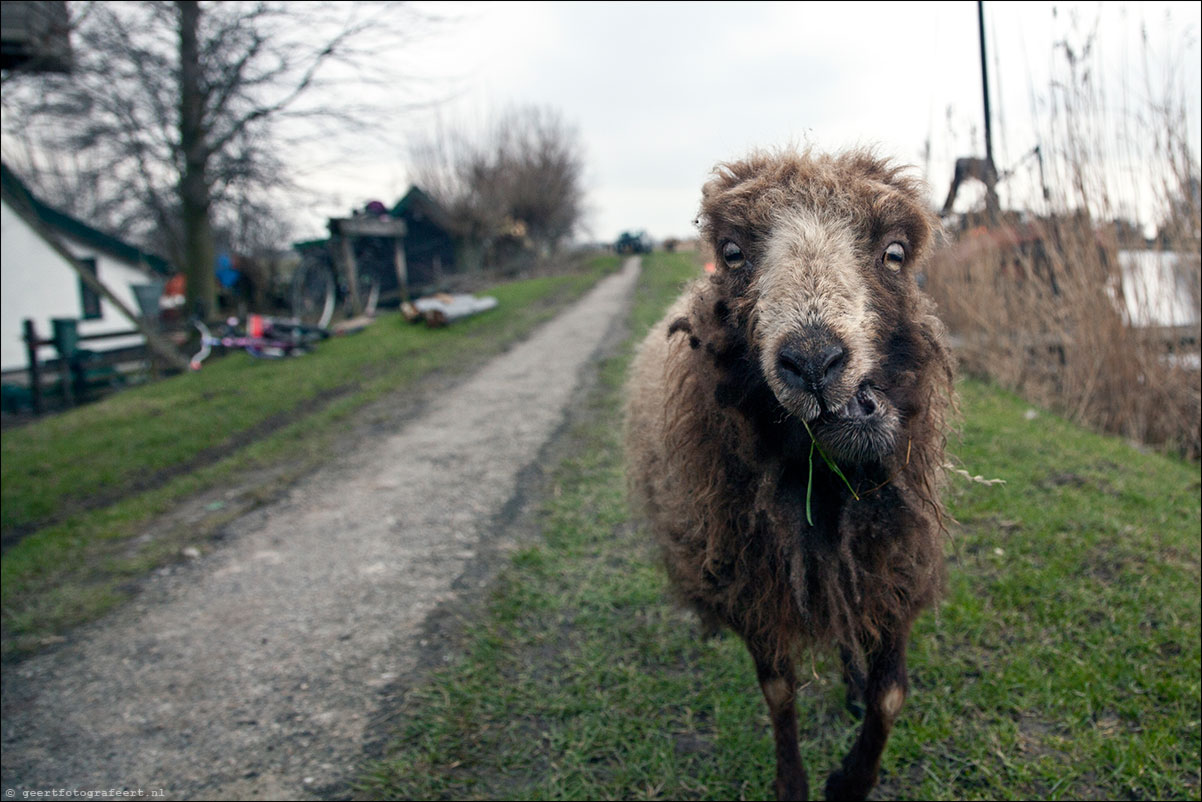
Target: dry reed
1068,304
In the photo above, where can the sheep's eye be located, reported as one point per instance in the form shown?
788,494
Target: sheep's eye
733,255
895,256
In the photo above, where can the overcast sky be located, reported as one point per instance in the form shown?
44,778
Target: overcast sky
661,92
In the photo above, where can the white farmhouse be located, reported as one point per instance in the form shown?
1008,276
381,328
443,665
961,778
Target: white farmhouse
39,282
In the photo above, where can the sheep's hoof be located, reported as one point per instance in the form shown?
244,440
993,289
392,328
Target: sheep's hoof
789,789
841,785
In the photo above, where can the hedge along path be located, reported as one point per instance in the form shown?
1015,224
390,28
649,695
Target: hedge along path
256,672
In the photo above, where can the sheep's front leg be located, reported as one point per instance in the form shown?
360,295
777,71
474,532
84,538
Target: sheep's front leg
884,694
779,684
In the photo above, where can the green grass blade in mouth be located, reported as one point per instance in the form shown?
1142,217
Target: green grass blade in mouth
810,483
830,463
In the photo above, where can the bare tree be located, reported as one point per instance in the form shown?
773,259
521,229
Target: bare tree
522,179
183,108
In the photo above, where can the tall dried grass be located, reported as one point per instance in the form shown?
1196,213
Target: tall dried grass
1039,309
1068,304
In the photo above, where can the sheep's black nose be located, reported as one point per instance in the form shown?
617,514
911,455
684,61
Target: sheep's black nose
811,366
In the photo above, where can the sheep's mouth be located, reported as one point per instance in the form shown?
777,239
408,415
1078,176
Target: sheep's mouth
862,429
864,405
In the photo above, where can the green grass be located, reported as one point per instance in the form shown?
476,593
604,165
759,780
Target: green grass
1064,664
79,488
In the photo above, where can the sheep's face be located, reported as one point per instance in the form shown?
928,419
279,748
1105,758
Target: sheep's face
816,256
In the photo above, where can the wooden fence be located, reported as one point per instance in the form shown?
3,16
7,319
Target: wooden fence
79,373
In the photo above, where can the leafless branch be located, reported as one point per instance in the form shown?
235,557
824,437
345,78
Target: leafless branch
256,70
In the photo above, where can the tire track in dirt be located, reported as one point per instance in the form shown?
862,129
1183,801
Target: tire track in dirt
257,671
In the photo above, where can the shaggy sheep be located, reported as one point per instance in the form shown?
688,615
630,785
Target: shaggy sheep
813,322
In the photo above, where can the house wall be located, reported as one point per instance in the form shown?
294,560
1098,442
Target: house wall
37,283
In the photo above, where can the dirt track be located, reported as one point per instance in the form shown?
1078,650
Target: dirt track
257,671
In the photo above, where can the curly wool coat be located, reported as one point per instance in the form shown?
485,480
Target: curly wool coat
813,322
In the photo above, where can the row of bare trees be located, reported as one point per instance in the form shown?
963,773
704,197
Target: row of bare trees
175,126
518,181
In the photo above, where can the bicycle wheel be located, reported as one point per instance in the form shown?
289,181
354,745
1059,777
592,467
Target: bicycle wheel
314,293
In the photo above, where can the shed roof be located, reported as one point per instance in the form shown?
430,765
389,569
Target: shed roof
416,204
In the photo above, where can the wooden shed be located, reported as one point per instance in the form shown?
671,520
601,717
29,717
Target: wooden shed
406,251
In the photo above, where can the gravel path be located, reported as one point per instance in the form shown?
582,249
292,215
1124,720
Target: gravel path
257,671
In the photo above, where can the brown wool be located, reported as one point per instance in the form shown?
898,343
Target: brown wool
814,319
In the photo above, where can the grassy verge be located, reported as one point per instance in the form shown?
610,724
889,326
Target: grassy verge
1064,664
80,488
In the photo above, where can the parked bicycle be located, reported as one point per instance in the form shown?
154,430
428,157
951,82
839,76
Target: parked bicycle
318,288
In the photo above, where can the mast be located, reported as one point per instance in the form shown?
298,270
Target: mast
974,167
990,172
985,82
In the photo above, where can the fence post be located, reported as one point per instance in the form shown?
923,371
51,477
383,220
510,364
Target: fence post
66,340
35,373
147,296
